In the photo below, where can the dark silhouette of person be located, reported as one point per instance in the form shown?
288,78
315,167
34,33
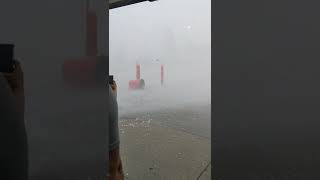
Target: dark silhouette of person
14,148
115,163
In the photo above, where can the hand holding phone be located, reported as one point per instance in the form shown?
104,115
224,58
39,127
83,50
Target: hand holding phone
16,78
16,82
113,85
11,68
111,80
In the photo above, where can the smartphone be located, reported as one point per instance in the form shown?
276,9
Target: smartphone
110,79
6,58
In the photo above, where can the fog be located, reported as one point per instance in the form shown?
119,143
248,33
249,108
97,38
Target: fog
175,33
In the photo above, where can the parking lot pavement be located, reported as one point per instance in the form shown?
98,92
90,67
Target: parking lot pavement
152,151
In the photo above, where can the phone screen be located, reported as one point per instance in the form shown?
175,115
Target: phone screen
110,79
6,57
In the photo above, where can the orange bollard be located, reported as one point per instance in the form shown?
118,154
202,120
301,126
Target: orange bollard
138,71
92,32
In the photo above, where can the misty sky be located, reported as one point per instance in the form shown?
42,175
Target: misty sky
177,32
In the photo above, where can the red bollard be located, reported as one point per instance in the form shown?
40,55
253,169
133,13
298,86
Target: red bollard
134,84
92,32
138,83
79,71
138,71
92,49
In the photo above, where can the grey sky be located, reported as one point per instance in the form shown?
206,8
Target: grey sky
177,32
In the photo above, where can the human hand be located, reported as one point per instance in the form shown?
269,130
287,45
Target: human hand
16,79
16,82
115,169
114,88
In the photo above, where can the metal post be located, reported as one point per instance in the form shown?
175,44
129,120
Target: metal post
162,74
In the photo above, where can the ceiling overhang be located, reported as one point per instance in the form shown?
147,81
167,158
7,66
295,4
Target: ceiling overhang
120,3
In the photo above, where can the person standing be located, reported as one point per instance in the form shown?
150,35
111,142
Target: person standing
115,163
14,148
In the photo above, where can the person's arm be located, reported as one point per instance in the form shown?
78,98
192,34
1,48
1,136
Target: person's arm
115,168
16,83
15,150
115,164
